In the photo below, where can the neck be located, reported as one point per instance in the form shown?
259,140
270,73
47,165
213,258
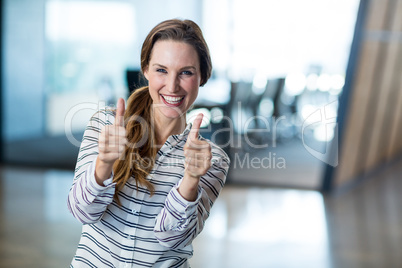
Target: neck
167,127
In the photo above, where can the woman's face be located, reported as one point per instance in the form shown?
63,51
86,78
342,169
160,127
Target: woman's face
174,76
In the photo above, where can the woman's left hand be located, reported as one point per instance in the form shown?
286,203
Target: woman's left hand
198,156
197,152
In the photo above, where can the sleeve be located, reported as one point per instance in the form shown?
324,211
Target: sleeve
180,221
87,200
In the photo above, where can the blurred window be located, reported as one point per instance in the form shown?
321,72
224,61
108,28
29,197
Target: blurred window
89,44
274,38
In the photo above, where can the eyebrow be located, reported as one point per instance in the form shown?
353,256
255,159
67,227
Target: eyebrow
185,67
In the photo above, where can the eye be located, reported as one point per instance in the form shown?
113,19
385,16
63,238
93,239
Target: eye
161,70
187,72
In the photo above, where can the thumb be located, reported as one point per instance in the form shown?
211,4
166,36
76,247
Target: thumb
120,113
196,127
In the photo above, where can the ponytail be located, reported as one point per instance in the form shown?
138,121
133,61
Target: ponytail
140,151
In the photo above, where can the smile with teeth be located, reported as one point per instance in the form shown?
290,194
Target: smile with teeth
172,100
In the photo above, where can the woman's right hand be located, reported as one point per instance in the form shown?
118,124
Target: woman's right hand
112,142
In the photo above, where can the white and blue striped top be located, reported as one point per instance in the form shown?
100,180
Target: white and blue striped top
144,231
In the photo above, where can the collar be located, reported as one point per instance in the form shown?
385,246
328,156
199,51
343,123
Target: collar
173,140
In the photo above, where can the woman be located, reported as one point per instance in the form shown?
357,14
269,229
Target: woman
145,181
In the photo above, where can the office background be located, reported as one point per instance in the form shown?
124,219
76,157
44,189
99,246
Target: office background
318,188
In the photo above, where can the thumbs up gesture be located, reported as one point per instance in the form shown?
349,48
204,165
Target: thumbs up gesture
113,137
197,153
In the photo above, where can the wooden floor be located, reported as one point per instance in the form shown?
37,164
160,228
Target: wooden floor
248,226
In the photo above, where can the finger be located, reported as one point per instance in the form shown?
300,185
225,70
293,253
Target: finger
196,154
114,135
199,163
116,141
120,109
198,145
199,159
196,127
116,131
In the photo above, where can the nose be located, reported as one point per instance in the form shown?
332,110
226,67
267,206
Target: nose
172,83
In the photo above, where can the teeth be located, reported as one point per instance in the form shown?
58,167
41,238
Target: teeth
172,99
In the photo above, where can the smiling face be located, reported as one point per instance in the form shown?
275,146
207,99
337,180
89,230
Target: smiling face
174,77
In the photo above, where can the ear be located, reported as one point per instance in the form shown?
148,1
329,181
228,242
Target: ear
146,73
